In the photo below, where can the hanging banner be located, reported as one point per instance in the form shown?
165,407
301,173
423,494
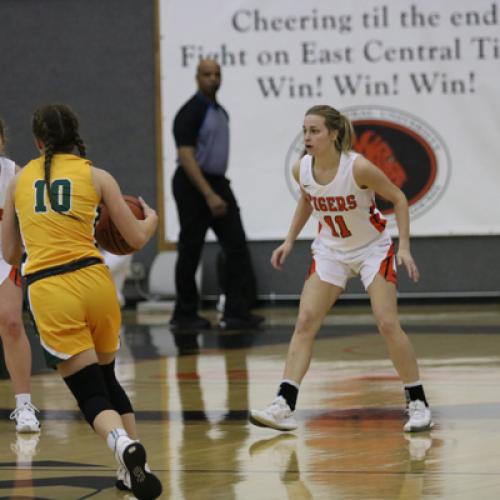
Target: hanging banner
419,80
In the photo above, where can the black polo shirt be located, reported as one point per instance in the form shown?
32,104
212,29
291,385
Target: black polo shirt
204,125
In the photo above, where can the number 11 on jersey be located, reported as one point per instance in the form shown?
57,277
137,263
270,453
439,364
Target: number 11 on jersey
337,226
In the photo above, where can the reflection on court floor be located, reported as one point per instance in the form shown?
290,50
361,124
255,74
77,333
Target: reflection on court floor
192,392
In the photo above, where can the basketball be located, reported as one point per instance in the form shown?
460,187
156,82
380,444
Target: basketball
107,234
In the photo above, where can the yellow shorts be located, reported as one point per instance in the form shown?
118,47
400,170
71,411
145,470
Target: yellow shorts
76,311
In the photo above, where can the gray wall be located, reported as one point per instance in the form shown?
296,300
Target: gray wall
98,57
449,267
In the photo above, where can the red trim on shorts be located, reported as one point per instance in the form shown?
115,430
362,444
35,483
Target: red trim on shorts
312,268
1,213
376,220
15,276
387,266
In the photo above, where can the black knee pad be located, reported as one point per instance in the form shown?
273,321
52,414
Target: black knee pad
117,395
90,391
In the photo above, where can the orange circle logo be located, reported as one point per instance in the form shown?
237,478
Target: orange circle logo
404,147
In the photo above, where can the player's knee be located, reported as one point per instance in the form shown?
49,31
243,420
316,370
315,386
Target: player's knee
388,325
306,324
89,389
117,395
11,327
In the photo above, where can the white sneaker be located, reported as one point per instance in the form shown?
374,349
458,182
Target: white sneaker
420,417
143,483
277,415
25,418
123,477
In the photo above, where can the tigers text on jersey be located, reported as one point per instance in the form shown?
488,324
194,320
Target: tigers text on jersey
65,232
7,172
348,217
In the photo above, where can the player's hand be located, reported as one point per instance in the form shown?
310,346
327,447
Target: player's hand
216,204
148,211
404,258
280,254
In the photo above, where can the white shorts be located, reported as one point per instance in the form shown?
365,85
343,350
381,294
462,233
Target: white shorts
4,269
336,267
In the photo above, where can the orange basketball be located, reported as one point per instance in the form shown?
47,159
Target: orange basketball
107,234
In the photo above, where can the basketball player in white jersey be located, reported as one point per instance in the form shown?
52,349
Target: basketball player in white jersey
338,187
16,347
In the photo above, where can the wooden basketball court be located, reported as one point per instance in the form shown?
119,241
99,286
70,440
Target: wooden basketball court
192,392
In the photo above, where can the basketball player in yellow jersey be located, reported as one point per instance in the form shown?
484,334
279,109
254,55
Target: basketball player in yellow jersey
71,294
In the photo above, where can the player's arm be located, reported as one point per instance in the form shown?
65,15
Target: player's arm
135,232
367,175
12,248
302,211
301,215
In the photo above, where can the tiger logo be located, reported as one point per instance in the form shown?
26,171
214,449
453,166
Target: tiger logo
373,147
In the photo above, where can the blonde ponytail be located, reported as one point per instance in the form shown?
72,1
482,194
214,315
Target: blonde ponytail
336,121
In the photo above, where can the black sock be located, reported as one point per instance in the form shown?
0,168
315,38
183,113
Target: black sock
414,393
289,393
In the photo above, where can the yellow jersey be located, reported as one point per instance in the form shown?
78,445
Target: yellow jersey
65,232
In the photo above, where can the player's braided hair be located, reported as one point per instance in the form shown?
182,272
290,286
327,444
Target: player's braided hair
57,127
334,120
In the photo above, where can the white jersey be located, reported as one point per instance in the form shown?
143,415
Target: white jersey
348,217
7,172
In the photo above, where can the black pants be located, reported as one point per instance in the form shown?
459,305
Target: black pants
195,218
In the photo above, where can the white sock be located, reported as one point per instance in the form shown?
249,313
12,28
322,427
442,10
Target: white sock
112,440
290,382
22,399
413,384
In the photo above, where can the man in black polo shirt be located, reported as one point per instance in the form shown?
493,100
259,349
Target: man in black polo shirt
204,199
